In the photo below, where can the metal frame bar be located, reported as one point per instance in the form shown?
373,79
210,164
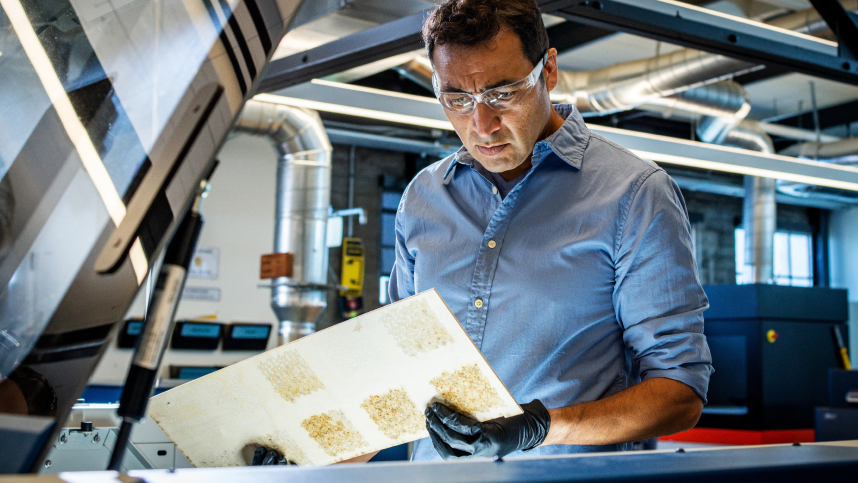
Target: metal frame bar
361,48
665,20
843,23
690,27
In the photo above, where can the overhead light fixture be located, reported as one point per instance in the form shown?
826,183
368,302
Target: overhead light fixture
761,25
75,130
628,138
370,90
356,111
730,168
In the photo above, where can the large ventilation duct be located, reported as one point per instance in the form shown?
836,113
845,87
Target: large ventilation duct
723,106
301,216
839,152
759,210
844,152
627,85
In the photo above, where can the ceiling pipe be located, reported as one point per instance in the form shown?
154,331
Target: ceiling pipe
627,85
759,208
843,152
302,199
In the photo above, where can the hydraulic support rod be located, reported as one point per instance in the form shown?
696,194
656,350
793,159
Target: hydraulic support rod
158,325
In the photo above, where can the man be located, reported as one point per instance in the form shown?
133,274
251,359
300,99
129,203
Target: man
566,258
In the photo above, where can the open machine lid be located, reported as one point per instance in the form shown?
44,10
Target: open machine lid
112,112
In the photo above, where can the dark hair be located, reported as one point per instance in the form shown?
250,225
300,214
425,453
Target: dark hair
472,22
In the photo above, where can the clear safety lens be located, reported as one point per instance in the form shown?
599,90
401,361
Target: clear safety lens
497,98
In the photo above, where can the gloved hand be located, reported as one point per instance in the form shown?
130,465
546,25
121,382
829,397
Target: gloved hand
458,436
265,457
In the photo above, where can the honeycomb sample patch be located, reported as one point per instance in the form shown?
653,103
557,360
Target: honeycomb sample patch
394,413
334,432
466,390
290,375
285,445
415,327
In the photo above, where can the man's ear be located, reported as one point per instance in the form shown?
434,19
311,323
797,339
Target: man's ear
550,71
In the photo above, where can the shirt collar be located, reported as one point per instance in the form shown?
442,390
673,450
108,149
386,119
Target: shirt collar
568,142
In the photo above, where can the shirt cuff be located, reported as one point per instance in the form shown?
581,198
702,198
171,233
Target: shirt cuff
695,376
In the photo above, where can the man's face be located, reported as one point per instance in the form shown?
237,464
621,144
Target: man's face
501,140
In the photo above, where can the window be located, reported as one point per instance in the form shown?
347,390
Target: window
389,205
793,259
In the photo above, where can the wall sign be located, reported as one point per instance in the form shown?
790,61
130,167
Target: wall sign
205,263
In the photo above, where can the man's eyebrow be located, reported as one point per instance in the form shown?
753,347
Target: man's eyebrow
457,90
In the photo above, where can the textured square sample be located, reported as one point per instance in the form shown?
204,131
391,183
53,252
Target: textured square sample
290,375
334,432
415,328
394,413
467,390
352,389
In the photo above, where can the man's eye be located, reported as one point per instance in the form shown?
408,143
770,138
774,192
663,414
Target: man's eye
502,96
460,101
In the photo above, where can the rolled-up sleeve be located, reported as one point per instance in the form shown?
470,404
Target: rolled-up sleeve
402,275
657,294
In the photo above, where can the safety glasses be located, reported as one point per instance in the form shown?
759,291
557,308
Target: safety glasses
499,98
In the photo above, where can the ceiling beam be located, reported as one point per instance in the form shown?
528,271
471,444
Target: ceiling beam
702,29
569,35
674,22
844,25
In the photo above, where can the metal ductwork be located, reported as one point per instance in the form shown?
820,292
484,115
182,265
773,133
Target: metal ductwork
627,85
839,152
759,217
844,152
759,209
748,135
723,106
301,216
725,99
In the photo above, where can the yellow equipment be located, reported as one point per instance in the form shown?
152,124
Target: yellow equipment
351,275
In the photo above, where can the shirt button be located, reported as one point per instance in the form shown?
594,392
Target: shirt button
478,303
494,190
492,244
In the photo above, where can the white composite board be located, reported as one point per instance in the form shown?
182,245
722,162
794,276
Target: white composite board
357,387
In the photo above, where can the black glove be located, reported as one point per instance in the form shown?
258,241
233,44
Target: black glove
458,436
265,457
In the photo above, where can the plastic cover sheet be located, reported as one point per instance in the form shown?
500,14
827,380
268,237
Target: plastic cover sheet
86,89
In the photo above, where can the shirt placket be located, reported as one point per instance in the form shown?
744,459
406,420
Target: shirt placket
487,260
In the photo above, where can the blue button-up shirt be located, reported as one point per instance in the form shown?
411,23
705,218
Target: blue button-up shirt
577,285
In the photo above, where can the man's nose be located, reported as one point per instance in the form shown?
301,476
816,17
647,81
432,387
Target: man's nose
485,120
